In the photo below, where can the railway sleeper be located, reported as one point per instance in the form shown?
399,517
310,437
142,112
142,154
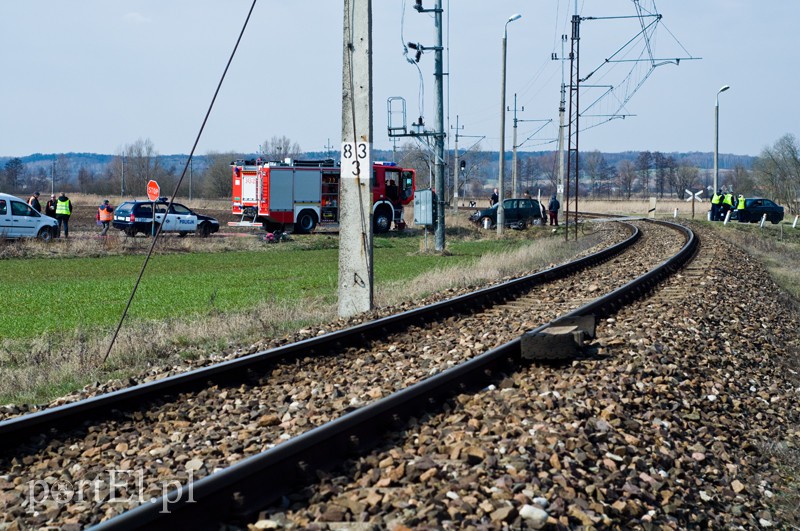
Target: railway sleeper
563,339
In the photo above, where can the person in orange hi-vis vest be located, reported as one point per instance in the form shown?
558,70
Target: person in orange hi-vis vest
105,213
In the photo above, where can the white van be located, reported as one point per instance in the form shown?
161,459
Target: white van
19,220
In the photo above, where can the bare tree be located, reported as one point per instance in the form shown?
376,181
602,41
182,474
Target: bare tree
548,169
660,167
686,177
741,181
643,163
14,173
414,156
217,181
86,179
141,165
777,171
597,169
281,147
626,177
671,169
40,180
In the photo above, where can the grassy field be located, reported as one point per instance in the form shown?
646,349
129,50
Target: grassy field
88,293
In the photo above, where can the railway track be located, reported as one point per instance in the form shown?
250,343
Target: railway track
284,413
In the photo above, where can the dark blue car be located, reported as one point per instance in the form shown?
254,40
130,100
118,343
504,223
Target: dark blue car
517,213
756,207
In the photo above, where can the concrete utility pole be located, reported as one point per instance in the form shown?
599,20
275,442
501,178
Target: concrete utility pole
562,107
355,197
501,215
439,133
716,138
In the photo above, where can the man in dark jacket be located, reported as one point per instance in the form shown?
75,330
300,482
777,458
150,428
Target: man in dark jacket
552,208
50,207
63,212
33,201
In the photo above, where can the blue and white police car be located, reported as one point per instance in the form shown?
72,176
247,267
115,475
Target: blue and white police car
133,217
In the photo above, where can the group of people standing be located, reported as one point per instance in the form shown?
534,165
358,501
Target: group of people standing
723,203
60,208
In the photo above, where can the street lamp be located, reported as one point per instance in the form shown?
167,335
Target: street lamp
501,215
716,139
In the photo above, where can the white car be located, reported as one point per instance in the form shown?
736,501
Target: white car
19,220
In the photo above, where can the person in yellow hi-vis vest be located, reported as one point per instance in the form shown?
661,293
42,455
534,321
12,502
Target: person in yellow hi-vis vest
727,205
63,212
716,199
740,209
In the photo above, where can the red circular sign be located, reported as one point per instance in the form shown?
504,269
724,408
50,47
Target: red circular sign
153,191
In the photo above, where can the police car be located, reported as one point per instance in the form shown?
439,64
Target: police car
20,220
132,217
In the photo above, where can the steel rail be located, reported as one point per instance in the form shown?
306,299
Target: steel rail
14,430
242,489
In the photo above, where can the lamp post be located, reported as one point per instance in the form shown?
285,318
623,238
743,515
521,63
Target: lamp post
501,215
716,139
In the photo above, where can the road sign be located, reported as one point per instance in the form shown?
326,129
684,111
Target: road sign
694,196
153,191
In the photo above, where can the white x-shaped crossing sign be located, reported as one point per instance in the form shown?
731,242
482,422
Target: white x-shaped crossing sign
696,196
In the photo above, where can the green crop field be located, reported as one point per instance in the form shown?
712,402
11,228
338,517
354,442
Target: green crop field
55,295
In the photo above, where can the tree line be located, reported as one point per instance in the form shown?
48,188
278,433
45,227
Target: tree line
774,174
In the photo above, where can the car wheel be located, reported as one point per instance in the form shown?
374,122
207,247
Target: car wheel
45,234
306,222
153,229
775,220
382,221
204,230
130,232
182,234
486,222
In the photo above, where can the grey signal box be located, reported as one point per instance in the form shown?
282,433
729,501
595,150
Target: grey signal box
423,207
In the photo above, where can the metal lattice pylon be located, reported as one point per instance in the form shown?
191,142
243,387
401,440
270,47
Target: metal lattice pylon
573,127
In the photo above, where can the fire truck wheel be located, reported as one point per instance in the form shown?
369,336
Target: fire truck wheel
306,221
382,221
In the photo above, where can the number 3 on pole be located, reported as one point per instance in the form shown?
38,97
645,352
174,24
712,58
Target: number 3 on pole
353,156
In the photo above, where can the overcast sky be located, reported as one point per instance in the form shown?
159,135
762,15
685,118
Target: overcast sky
95,75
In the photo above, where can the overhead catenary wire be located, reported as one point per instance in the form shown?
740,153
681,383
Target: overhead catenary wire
178,184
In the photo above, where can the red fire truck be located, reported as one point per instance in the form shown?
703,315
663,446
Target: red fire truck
304,194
